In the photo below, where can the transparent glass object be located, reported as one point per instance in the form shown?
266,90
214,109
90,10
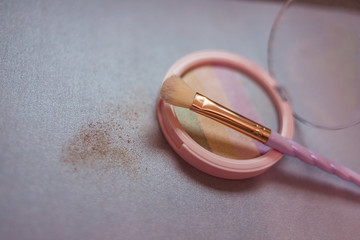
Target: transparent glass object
314,55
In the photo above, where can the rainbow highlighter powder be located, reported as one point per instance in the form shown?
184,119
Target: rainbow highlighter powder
235,91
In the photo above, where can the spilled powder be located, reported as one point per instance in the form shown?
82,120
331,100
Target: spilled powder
105,144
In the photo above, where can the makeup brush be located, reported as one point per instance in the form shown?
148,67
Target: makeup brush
176,92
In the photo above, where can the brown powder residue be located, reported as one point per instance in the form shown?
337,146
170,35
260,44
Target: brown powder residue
105,144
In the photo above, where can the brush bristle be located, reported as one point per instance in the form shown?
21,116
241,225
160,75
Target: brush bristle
176,92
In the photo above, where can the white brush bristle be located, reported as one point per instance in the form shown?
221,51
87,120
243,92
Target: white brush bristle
176,92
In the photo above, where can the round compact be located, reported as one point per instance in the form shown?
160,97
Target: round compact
240,85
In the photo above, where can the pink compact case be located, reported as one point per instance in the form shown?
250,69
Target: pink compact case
203,143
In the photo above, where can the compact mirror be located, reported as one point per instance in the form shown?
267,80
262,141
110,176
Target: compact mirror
314,55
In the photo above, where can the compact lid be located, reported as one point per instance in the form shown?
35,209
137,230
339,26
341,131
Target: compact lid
216,159
314,55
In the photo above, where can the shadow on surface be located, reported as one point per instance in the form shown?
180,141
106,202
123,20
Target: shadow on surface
159,142
311,184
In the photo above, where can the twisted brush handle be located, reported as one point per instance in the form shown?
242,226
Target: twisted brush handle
294,149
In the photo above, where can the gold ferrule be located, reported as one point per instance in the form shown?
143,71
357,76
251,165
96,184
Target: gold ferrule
217,112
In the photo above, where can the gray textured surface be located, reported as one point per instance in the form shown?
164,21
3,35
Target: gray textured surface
82,155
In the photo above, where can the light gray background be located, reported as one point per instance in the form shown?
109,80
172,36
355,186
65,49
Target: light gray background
82,155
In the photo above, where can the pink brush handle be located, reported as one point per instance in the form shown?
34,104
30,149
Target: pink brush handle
294,149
